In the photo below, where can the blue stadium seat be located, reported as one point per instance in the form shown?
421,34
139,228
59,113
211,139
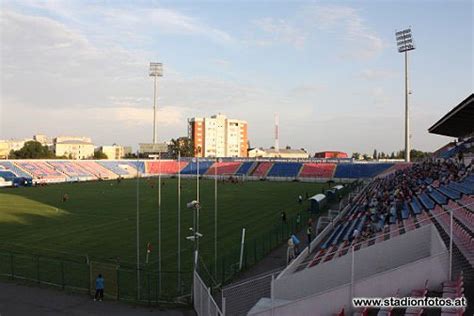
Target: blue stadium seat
405,211
9,166
460,187
360,170
285,169
329,240
415,205
139,164
245,167
191,168
452,194
438,197
114,167
426,201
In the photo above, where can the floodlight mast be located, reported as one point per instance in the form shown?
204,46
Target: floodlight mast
156,70
405,44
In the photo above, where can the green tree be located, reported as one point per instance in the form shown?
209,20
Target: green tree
374,156
99,155
356,155
32,150
184,145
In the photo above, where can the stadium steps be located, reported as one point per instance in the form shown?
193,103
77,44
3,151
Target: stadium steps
252,168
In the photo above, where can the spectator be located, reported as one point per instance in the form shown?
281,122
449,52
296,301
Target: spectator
99,288
309,233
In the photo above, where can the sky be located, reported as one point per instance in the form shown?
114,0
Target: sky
331,70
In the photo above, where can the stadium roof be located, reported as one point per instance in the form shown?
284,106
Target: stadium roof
458,122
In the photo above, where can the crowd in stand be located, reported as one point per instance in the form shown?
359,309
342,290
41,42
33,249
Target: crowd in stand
392,193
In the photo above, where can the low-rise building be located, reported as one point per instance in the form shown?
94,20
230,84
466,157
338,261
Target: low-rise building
76,147
115,151
281,153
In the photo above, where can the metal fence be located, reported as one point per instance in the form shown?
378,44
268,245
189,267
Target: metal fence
121,281
204,303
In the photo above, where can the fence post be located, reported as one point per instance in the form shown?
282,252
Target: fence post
450,245
223,306
272,292
255,251
223,270
118,284
12,266
62,274
37,270
352,278
148,287
208,301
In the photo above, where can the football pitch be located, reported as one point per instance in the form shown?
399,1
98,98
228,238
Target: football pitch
98,221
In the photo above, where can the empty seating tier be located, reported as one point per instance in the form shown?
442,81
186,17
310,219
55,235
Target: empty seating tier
221,168
318,170
71,169
96,169
119,168
192,167
285,169
262,169
9,166
41,170
245,168
164,166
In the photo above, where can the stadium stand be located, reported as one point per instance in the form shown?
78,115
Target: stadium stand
9,166
41,171
245,168
221,168
262,169
121,168
99,171
11,179
360,170
191,167
137,165
384,207
164,166
284,169
72,170
318,170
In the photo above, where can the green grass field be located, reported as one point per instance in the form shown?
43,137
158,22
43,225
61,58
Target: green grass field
99,219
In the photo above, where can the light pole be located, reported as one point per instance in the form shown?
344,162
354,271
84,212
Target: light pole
138,230
195,207
156,70
405,44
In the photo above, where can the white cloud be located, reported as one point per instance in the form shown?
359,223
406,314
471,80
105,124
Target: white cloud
280,30
365,43
341,22
377,74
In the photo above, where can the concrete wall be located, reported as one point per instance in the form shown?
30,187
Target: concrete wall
382,256
406,278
